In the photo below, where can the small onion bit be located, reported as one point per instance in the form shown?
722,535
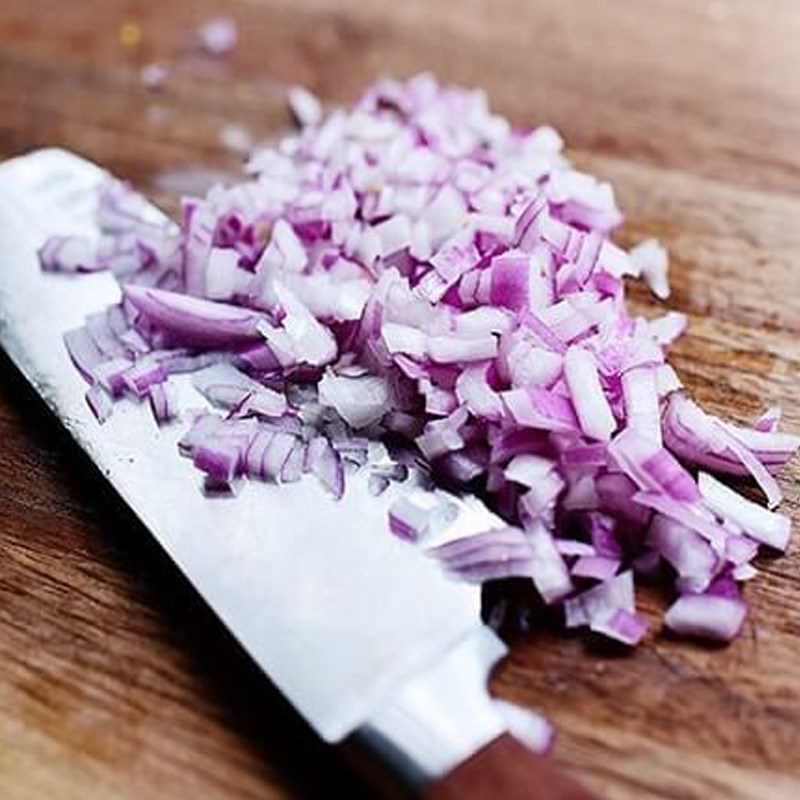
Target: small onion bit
164,404
218,36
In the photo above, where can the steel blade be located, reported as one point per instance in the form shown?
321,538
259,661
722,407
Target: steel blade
333,608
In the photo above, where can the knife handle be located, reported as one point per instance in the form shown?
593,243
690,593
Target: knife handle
440,737
506,770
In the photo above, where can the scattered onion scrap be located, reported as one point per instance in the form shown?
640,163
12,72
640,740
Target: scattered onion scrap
218,36
418,268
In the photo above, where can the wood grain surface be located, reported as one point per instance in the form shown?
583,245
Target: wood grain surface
115,681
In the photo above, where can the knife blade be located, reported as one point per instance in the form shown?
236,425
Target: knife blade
360,631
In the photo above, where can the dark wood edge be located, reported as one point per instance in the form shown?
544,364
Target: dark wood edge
507,770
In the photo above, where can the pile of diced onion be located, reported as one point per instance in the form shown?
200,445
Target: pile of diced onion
423,272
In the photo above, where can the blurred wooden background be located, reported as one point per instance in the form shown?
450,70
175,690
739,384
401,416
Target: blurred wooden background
114,679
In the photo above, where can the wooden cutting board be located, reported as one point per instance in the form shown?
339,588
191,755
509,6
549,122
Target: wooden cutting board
114,679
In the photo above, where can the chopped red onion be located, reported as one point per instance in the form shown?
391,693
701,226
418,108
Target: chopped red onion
502,553
359,401
418,514
104,337
745,572
99,402
139,378
621,625
219,461
574,547
154,76
595,415
597,568
83,351
548,570
665,330
218,36
600,602
417,267
111,375
685,550
706,616
541,409
324,462
306,108
769,420
254,457
651,467
449,349
760,474
277,452
163,402
694,436
764,526
650,258
194,322
292,469
640,393
69,254
226,387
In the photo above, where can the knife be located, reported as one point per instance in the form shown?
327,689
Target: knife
362,632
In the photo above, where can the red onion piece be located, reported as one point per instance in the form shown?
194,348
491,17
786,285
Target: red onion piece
693,435
305,107
218,36
69,254
324,462
621,625
765,526
195,322
110,375
706,616
594,413
598,568
83,352
598,603
142,375
690,554
163,402
99,402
